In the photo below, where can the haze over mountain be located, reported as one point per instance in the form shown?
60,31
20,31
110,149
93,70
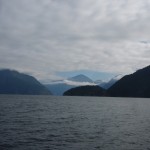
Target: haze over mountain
59,87
13,82
81,78
133,85
107,84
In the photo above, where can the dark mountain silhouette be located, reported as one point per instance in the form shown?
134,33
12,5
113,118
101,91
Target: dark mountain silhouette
133,85
85,91
13,82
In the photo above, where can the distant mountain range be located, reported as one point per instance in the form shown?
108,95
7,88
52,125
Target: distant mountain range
133,85
13,82
60,86
109,83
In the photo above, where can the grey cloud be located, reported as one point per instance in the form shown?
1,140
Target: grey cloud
43,37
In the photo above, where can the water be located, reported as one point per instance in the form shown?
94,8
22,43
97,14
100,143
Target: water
74,123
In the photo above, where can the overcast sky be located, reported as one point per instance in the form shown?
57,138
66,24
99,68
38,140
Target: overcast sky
44,37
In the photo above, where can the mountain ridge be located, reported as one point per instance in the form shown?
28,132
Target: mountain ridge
60,87
14,82
80,78
133,85
85,91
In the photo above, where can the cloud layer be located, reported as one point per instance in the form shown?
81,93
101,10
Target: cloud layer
44,37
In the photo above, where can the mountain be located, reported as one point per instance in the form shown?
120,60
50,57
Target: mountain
133,85
107,85
98,82
85,91
13,82
81,78
59,87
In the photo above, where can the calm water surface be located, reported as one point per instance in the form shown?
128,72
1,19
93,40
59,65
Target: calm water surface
74,123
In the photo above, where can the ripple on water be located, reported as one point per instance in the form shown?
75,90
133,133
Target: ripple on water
71,123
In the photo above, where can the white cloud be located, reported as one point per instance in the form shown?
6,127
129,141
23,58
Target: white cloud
69,82
78,83
43,37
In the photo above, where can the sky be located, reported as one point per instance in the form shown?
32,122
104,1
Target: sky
46,38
